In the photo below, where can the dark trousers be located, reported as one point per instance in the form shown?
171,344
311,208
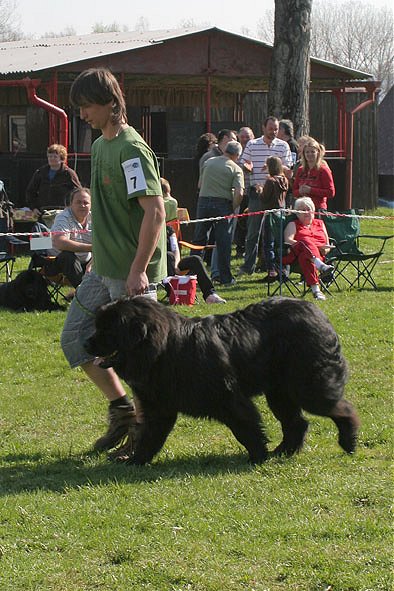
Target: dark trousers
67,263
216,207
194,266
241,227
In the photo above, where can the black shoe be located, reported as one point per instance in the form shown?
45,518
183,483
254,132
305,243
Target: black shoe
327,278
268,279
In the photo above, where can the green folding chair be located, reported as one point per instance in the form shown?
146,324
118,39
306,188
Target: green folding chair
354,266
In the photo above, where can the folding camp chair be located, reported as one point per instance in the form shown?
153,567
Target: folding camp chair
58,286
290,279
7,258
353,265
286,283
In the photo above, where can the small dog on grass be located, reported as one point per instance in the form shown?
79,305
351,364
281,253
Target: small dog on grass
27,292
213,366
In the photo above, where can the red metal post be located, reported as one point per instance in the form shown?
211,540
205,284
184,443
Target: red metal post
31,86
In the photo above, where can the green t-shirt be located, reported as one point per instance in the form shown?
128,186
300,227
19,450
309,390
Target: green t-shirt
220,176
171,207
123,169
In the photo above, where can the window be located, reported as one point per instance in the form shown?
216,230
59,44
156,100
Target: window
17,133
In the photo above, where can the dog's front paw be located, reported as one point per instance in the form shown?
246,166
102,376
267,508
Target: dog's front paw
258,458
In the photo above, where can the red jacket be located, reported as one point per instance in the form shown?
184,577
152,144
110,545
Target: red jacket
321,182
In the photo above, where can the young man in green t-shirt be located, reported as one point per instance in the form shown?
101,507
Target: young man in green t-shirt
128,234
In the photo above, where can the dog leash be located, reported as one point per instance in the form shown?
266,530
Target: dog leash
82,307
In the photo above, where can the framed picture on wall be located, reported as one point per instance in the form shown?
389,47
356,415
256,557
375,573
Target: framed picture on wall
17,133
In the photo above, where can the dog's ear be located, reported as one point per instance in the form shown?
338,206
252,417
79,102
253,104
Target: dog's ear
134,330
127,329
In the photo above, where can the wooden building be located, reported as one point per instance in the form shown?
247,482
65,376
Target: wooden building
178,85
386,146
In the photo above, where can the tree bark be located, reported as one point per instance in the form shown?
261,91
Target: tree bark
288,96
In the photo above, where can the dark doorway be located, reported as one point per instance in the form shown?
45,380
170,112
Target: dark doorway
159,133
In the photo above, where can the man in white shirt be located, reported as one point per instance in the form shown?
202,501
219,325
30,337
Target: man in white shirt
253,161
72,239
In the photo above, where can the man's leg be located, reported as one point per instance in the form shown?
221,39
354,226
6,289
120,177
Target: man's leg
69,264
224,236
252,236
121,412
79,325
201,229
194,266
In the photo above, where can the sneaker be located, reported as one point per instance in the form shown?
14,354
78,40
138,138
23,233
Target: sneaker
327,278
119,419
230,283
214,298
270,278
318,295
325,268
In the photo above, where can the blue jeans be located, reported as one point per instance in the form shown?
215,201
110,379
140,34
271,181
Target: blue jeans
253,232
216,207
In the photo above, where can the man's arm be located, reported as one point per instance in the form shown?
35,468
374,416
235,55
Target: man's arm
237,197
152,223
63,242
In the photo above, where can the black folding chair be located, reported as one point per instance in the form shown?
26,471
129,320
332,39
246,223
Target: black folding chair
352,264
7,258
58,286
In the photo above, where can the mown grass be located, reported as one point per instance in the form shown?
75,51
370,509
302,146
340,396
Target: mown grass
199,518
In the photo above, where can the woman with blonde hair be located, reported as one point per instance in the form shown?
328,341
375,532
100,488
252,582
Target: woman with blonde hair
314,177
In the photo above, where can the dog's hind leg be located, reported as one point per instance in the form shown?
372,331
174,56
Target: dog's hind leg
244,420
294,425
346,419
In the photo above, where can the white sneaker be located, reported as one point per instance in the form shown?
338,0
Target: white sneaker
214,298
318,295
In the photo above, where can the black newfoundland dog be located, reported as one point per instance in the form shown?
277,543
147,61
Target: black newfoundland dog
27,292
213,366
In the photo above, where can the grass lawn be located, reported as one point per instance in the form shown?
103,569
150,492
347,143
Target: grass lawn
199,518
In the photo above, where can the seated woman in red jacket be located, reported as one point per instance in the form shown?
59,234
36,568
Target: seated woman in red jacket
314,177
309,243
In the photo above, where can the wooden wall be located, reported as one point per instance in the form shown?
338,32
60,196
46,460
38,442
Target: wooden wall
183,129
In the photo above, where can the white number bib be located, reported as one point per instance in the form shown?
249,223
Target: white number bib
134,175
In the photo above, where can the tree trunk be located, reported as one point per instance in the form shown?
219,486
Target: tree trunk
288,96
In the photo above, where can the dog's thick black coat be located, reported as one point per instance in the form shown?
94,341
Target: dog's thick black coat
213,366
27,292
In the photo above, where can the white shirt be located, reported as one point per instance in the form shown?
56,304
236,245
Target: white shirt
65,222
257,152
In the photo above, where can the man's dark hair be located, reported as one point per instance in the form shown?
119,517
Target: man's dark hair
99,86
270,118
287,127
224,132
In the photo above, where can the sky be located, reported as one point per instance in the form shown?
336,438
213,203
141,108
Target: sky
42,16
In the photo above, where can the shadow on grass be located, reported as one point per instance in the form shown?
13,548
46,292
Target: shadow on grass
39,472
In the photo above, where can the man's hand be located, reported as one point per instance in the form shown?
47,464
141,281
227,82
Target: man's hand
136,283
